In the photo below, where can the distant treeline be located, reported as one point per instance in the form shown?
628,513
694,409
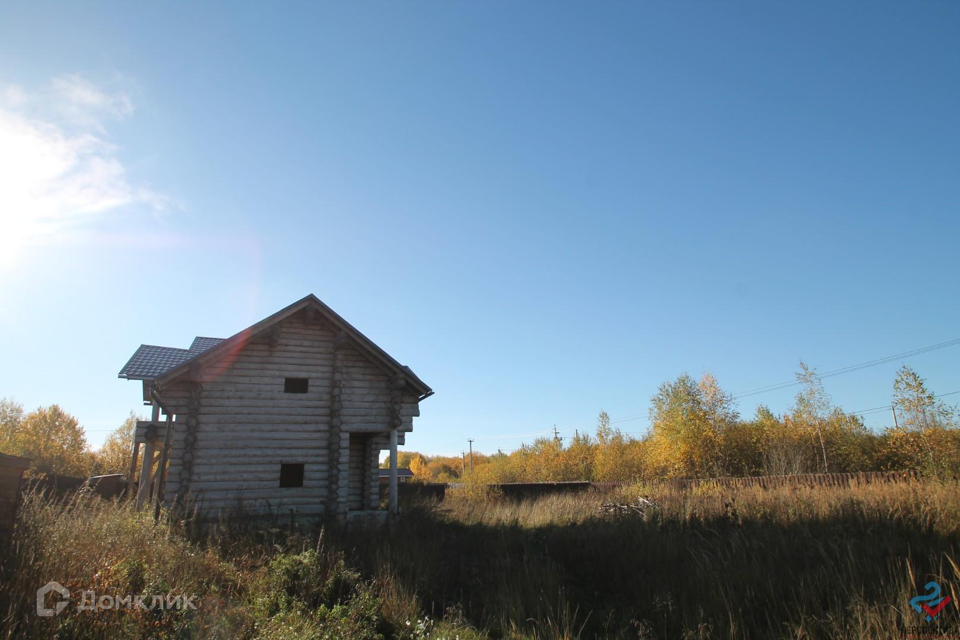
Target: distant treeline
697,432
56,444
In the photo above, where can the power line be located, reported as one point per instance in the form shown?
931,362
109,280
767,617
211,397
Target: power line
556,432
517,435
887,406
851,368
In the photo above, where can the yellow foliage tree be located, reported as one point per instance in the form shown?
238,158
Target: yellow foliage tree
688,427
11,415
421,472
114,455
54,441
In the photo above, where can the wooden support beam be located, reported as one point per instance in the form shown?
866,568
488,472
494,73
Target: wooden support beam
162,468
394,503
133,469
149,430
139,439
146,473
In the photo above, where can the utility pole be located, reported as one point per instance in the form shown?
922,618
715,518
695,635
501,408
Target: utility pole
893,410
470,440
463,464
556,435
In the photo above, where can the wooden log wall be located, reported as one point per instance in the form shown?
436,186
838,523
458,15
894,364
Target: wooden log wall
235,424
372,482
247,426
335,440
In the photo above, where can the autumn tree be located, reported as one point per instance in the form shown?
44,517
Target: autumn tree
444,469
918,407
114,455
604,431
851,446
577,458
404,458
925,439
784,449
421,473
54,441
720,410
11,415
811,406
687,433
615,456
746,442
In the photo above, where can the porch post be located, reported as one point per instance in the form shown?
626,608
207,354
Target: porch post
146,472
393,471
147,468
133,468
162,467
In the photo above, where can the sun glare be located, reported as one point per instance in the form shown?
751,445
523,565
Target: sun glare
59,172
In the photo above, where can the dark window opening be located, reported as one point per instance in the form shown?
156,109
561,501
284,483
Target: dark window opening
296,385
291,475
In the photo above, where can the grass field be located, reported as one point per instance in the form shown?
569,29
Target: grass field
801,562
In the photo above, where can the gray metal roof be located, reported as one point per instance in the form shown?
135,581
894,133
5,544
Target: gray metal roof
309,301
401,473
201,344
149,362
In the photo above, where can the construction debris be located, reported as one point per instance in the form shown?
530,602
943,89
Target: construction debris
643,507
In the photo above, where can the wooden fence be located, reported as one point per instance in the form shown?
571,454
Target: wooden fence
528,490
800,480
109,486
11,481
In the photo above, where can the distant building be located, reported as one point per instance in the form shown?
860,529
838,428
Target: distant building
403,475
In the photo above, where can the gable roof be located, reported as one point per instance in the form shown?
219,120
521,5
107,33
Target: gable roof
202,344
211,349
401,473
150,361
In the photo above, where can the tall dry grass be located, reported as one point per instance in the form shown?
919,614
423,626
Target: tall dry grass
820,562
708,562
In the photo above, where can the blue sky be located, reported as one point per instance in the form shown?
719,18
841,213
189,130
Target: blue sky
544,208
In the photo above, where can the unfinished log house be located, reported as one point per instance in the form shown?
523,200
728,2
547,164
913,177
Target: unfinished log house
287,417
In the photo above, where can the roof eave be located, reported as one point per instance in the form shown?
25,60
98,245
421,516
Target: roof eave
247,334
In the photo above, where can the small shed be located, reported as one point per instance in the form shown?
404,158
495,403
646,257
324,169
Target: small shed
11,477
